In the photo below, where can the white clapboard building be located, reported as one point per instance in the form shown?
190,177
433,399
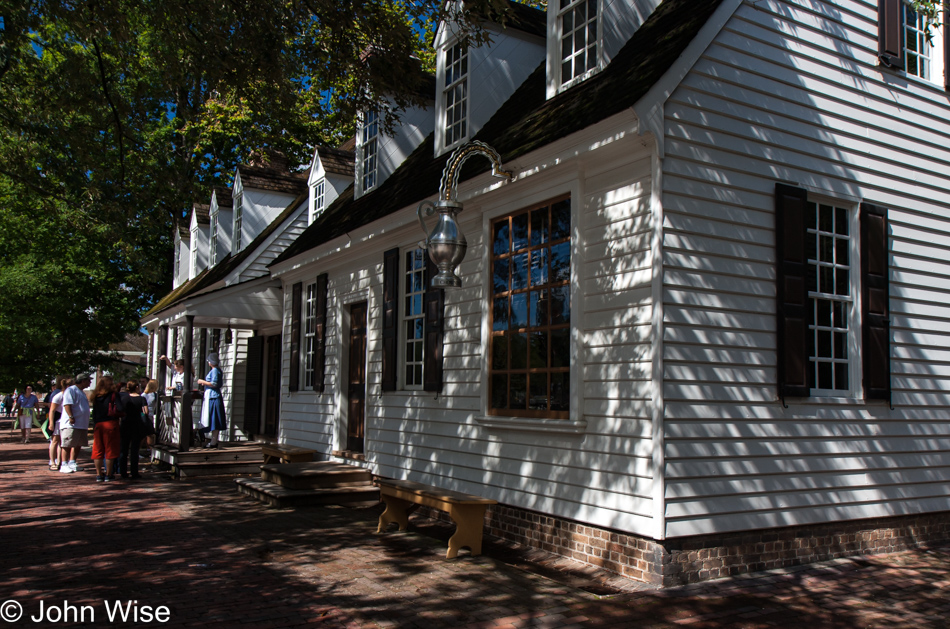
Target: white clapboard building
704,328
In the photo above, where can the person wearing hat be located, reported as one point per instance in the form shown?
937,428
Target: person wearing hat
74,423
212,410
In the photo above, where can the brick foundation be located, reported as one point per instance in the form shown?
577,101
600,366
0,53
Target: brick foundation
700,558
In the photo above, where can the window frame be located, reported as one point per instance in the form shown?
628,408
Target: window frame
318,193
236,232
193,254
557,54
213,237
493,414
403,334
367,174
854,333
308,335
464,58
178,242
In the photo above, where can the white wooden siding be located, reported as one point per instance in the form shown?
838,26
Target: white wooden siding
234,367
259,209
278,243
792,92
603,476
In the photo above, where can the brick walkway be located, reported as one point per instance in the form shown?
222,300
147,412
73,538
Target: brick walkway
216,559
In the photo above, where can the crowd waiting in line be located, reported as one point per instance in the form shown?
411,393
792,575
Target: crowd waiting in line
122,416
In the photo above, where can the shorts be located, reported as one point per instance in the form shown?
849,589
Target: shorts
106,440
74,437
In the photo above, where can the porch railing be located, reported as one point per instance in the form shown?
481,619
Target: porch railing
168,426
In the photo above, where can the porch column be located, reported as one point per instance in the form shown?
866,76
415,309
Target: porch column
162,351
184,439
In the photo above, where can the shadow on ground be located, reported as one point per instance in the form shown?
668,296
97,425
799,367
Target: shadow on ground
216,558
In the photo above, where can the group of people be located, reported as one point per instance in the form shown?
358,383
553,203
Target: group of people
121,414
213,419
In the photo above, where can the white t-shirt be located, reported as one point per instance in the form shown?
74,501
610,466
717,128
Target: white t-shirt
80,408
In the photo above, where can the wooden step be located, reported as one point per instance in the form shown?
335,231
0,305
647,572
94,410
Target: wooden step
216,468
276,496
314,475
233,454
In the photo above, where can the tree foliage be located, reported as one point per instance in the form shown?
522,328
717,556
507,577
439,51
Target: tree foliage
117,115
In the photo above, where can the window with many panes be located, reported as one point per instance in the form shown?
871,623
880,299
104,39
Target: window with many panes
918,51
193,271
455,92
412,315
530,349
319,197
238,219
369,136
213,246
309,331
579,38
831,292
178,246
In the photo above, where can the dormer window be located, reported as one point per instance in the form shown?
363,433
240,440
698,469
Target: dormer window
580,42
317,199
455,94
193,271
178,244
238,217
213,233
368,136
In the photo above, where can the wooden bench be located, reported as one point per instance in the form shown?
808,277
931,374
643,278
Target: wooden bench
466,510
283,453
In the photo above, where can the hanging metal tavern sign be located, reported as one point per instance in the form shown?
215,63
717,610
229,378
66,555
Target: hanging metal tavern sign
446,243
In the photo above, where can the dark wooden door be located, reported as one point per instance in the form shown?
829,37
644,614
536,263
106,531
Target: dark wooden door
272,394
356,389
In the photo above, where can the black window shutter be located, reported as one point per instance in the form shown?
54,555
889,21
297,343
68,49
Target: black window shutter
792,288
875,298
320,335
296,302
252,385
946,46
390,318
890,34
433,308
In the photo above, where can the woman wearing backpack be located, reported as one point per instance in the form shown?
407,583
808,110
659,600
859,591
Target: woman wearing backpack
107,410
132,430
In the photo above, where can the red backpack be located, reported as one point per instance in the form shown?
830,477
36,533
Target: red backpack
116,408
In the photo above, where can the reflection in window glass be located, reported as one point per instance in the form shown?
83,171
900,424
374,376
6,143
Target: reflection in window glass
917,50
578,22
531,314
369,132
456,93
413,318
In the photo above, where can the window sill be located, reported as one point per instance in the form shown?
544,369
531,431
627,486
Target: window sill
563,426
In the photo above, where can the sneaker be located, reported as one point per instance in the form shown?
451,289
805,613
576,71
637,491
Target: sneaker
66,469
72,465
100,479
110,477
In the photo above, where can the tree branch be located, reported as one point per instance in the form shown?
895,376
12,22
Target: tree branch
115,112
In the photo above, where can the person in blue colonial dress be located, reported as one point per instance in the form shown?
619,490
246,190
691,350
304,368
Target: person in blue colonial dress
212,410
